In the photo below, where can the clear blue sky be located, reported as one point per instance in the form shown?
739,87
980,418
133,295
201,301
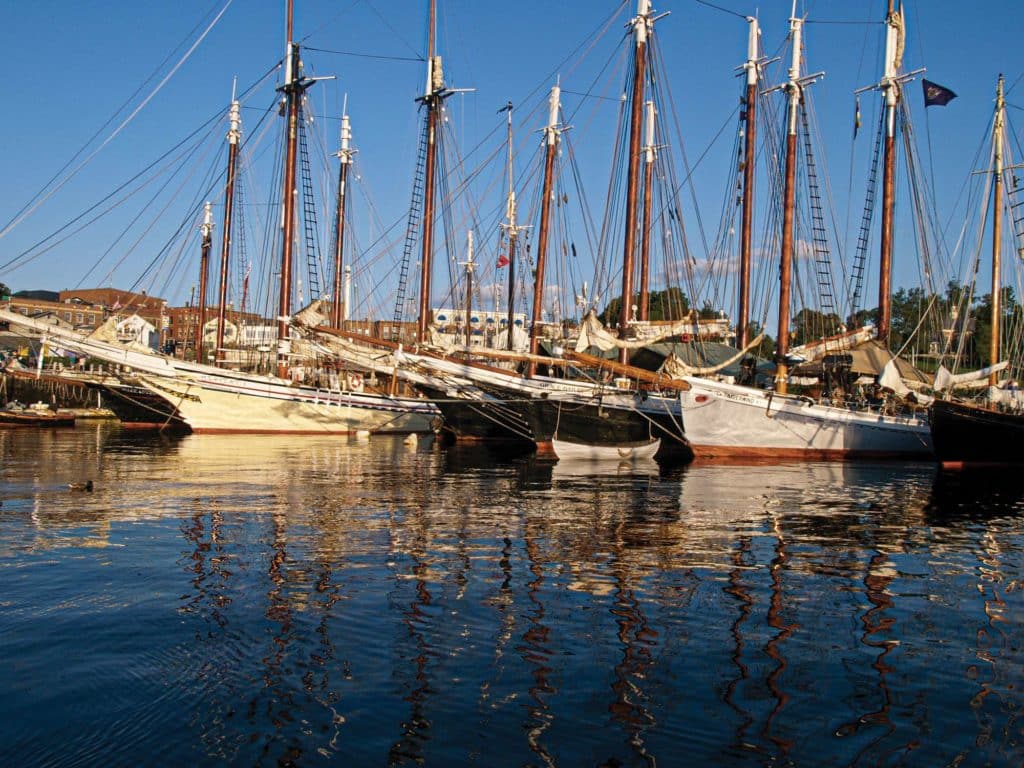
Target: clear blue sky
72,65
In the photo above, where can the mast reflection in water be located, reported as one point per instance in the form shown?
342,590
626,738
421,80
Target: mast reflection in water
275,601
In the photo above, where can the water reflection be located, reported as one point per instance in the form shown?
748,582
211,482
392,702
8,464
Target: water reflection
288,601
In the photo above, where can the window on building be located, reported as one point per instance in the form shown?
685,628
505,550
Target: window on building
78,317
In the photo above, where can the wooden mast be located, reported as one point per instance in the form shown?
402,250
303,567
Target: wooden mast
234,135
890,87
513,232
746,222
642,25
206,228
997,225
431,99
794,88
469,288
646,224
345,155
551,136
292,90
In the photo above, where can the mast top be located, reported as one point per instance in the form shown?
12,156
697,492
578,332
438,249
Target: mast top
235,122
552,130
346,152
206,228
752,64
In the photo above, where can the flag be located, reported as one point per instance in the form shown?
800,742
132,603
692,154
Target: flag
502,260
935,94
506,108
856,118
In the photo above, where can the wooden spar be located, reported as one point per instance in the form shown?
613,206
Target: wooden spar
513,231
206,228
345,154
432,101
646,225
551,134
292,89
568,359
794,91
997,222
234,135
641,29
469,288
890,88
746,222
513,237
649,377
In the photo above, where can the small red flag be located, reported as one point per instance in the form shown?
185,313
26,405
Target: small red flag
502,260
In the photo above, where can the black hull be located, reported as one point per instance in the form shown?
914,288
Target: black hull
588,423
601,424
513,417
491,421
138,408
969,435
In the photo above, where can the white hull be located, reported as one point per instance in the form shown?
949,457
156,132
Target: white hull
723,420
618,453
212,399
239,404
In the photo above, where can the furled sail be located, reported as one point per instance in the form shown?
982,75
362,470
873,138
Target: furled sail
945,380
593,334
815,350
676,368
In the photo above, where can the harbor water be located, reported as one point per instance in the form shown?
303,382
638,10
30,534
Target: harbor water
257,600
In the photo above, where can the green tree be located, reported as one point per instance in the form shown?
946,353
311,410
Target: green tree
669,304
810,325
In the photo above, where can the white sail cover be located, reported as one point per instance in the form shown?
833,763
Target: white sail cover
1012,398
815,350
890,379
593,334
677,369
945,380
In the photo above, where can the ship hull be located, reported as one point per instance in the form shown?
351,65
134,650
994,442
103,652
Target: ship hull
138,408
238,404
729,421
968,435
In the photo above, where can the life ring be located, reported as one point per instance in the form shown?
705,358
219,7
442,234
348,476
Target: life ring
355,381
684,338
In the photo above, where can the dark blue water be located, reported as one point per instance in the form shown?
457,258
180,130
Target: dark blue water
270,601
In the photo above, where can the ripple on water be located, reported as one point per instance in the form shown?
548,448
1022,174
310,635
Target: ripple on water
257,601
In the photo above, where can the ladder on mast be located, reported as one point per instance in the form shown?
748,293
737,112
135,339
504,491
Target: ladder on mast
412,230
309,215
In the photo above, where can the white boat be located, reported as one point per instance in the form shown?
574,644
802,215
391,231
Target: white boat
219,400
727,420
621,452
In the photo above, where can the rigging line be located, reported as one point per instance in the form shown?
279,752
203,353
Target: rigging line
599,32
25,214
723,10
841,21
365,55
18,257
1015,83
590,95
100,129
328,22
384,19
204,127
853,146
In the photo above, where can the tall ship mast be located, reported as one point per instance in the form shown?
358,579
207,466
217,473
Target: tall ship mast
234,137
